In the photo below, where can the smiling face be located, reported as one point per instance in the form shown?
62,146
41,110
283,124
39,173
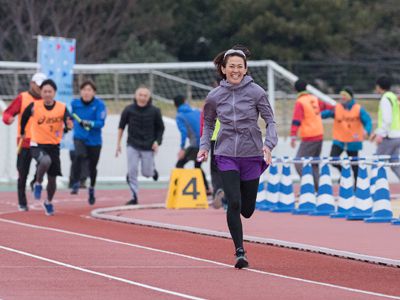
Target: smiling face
235,69
48,93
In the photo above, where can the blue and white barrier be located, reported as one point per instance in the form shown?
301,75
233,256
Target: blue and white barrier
363,202
325,201
346,192
286,199
307,200
273,181
261,200
382,208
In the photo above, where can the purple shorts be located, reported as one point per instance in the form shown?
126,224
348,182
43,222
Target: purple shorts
249,168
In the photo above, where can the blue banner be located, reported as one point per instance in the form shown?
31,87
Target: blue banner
56,57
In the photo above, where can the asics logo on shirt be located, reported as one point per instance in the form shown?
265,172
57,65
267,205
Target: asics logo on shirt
51,120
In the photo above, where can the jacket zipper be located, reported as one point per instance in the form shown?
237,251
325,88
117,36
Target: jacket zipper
234,122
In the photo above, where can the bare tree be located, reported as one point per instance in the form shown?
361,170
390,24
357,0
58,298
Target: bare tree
100,27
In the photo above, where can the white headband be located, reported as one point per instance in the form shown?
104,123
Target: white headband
232,51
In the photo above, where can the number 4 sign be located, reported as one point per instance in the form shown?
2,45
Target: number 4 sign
186,189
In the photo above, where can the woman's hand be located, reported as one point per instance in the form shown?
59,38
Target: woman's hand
202,155
267,155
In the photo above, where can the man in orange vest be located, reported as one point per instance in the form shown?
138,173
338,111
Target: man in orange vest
49,119
352,124
307,120
24,157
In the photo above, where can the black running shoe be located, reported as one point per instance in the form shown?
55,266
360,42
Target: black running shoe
23,208
155,175
75,188
133,201
92,198
241,259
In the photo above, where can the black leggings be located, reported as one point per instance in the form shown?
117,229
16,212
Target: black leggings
337,151
241,197
82,151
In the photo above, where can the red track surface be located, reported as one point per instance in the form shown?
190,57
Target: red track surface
194,265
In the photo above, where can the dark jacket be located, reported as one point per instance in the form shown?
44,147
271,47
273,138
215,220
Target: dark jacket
145,125
238,107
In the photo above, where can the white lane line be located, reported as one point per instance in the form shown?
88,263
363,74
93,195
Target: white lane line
200,259
146,286
118,267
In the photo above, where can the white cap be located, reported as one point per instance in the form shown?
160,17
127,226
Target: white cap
38,78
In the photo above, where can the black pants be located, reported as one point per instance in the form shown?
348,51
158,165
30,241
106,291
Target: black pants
216,179
191,154
24,159
83,152
84,169
241,197
337,151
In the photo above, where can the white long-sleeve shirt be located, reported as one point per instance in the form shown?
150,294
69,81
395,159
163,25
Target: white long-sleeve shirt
385,130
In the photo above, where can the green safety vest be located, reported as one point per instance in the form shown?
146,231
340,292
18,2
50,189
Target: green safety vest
395,111
216,130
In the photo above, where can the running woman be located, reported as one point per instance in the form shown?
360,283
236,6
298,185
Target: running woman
240,153
49,119
89,118
24,157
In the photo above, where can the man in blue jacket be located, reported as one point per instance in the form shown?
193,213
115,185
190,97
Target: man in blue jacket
89,114
188,121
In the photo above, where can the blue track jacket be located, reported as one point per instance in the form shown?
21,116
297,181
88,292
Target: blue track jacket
94,111
188,121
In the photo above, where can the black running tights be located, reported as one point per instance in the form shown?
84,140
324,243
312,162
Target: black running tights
241,197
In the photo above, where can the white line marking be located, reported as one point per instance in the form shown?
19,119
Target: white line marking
101,213
118,267
146,286
200,259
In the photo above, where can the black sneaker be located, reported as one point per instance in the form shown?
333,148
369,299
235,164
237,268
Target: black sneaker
133,201
75,188
23,208
155,175
241,259
92,198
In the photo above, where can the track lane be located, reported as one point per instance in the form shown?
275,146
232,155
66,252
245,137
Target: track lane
188,280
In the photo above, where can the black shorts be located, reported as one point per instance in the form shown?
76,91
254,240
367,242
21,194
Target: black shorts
54,152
